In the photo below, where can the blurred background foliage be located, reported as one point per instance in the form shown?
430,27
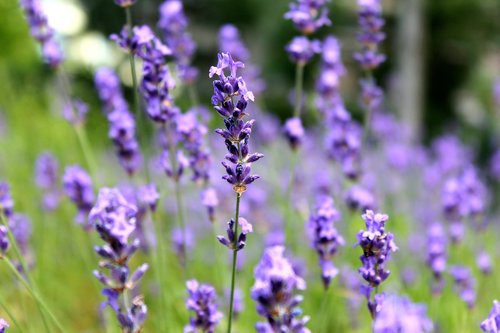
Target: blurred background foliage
461,52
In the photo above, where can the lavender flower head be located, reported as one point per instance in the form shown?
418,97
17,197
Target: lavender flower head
173,24
325,239
210,200
360,198
437,254
6,201
237,131
236,242
273,290
115,220
42,32
3,325
492,323
230,42
77,186
399,314
46,177
308,15
484,263
4,240
75,112
202,301
377,245
465,284
301,50
294,131
371,23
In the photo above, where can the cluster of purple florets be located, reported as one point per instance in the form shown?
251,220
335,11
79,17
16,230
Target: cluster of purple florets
325,238
42,32
274,291
115,220
202,301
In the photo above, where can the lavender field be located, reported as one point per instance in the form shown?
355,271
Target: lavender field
256,166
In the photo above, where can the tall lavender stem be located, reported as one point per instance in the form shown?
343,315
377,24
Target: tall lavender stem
235,257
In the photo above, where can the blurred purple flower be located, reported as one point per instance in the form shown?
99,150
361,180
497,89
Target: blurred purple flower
437,254
465,284
273,290
301,50
77,186
210,200
75,112
325,238
492,323
3,325
6,201
399,314
484,263
294,132
202,301
42,32
308,15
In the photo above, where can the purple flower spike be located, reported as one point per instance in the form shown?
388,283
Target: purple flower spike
437,254
46,178
173,24
324,237
75,112
149,196
3,325
236,242
42,32
6,202
371,23
210,200
114,219
202,301
294,132
4,240
492,323
273,290
484,263
78,187
237,131
301,50
399,314
377,245
465,284
308,16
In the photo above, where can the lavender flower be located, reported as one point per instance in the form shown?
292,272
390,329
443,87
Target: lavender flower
46,176
377,245
360,198
115,220
77,186
75,112
308,15
173,24
148,196
42,32
437,254
325,238
202,301
182,242
273,290
294,132
301,50
20,226
237,131
230,42
6,201
4,240
371,22
110,93
3,325
236,242
483,262
399,314
464,284
210,200
492,323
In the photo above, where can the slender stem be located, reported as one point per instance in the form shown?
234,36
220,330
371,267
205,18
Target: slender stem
289,226
235,257
11,316
33,293
299,82
86,150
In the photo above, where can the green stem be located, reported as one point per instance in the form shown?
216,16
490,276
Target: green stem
34,294
299,82
86,150
193,95
289,225
235,257
11,316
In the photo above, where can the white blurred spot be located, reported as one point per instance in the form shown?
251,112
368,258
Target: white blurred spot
93,49
65,16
